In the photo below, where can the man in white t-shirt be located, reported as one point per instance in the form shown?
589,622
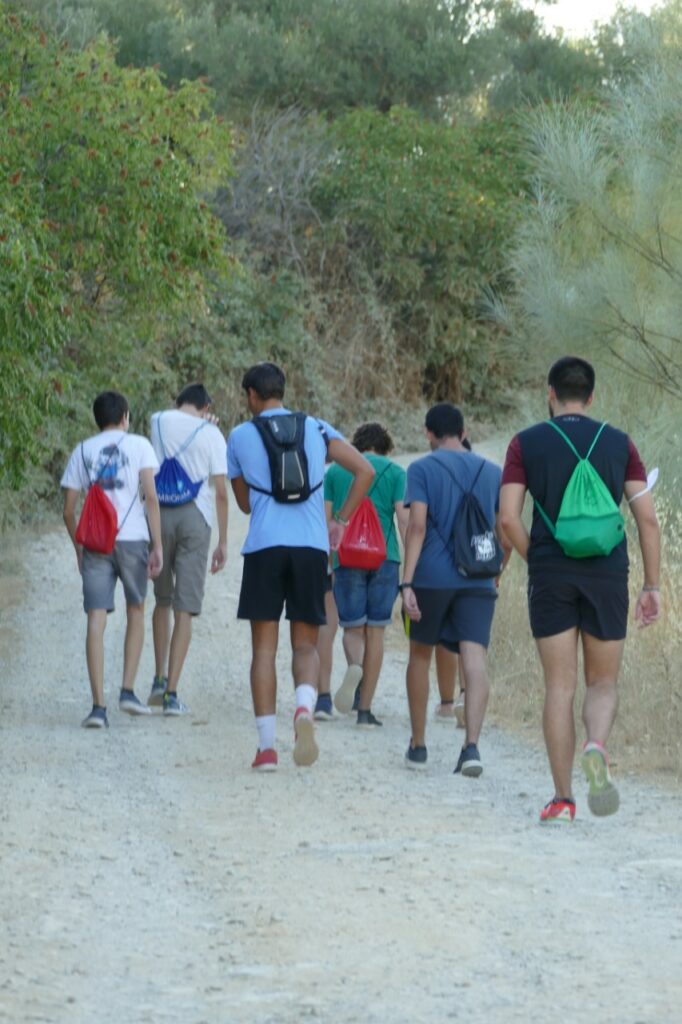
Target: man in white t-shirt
122,464
192,482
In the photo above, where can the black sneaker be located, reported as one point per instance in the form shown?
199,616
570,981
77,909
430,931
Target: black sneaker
415,758
356,698
366,720
324,709
469,761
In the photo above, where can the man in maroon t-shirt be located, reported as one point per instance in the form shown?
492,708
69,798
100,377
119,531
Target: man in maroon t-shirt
569,597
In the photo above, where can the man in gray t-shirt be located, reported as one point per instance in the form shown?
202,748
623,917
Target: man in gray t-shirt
441,606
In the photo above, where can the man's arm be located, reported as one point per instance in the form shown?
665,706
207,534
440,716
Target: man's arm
402,514
648,607
219,558
69,516
240,489
151,501
513,532
414,542
363,473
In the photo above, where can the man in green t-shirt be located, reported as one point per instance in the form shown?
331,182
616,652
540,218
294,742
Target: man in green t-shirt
365,598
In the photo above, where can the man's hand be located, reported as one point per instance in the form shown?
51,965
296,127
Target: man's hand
410,605
219,559
336,532
648,607
155,563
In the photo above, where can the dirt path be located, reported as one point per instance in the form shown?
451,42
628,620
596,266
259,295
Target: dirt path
148,876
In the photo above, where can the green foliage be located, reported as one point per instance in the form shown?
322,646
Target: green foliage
101,221
428,209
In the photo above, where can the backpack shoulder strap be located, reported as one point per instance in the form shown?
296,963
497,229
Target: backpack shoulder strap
566,439
185,446
596,438
158,428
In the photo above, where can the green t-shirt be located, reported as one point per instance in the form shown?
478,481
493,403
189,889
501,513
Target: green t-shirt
387,488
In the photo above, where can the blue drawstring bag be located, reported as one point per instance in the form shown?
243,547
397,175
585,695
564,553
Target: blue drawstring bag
173,485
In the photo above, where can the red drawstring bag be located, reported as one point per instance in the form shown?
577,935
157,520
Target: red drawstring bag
363,545
98,523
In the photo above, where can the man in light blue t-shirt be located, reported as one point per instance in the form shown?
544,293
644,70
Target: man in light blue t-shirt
443,606
286,549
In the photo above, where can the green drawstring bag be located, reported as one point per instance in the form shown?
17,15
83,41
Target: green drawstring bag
589,521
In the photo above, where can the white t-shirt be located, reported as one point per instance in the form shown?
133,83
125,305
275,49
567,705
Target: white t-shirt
205,456
116,458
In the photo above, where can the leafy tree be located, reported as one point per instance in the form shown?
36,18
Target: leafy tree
102,227
600,260
428,210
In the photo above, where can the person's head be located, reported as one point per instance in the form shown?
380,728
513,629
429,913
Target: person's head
570,379
372,437
195,395
263,383
110,409
444,422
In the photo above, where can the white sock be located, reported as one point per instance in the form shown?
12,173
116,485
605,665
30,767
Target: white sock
266,731
306,697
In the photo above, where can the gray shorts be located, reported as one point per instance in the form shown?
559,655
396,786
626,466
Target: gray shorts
127,563
185,536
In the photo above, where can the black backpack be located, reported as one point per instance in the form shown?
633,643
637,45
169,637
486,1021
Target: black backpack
477,553
284,440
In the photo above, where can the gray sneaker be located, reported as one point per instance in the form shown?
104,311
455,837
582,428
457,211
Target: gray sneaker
155,699
174,707
97,719
129,703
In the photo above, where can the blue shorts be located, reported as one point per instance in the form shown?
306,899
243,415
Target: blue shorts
366,598
451,616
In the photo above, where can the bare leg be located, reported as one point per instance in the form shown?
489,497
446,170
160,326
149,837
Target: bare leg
325,644
179,645
371,665
418,689
474,668
354,644
559,657
602,664
446,674
161,632
132,649
94,653
264,637
305,662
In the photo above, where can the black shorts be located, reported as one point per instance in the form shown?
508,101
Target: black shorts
595,604
449,616
277,576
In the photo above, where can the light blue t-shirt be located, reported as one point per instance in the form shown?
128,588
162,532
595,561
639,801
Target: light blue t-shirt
273,524
432,484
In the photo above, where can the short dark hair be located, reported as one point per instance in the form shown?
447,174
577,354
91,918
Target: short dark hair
109,408
572,379
444,420
266,379
374,436
194,394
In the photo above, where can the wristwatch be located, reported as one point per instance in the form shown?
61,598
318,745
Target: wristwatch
339,519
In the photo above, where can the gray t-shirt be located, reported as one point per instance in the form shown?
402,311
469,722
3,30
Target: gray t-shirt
429,481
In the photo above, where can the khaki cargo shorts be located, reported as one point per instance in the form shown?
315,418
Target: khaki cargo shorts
185,536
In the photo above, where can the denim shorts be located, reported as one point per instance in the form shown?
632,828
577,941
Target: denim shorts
366,598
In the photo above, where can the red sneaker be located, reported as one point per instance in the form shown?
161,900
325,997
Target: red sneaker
558,812
305,748
265,761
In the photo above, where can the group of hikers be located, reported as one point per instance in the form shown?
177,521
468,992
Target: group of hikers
327,521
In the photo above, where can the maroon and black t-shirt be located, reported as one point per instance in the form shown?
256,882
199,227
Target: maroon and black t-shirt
540,459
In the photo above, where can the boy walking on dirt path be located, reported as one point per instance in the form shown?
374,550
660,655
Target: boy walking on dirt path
442,605
579,597
365,599
121,464
187,497
276,468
